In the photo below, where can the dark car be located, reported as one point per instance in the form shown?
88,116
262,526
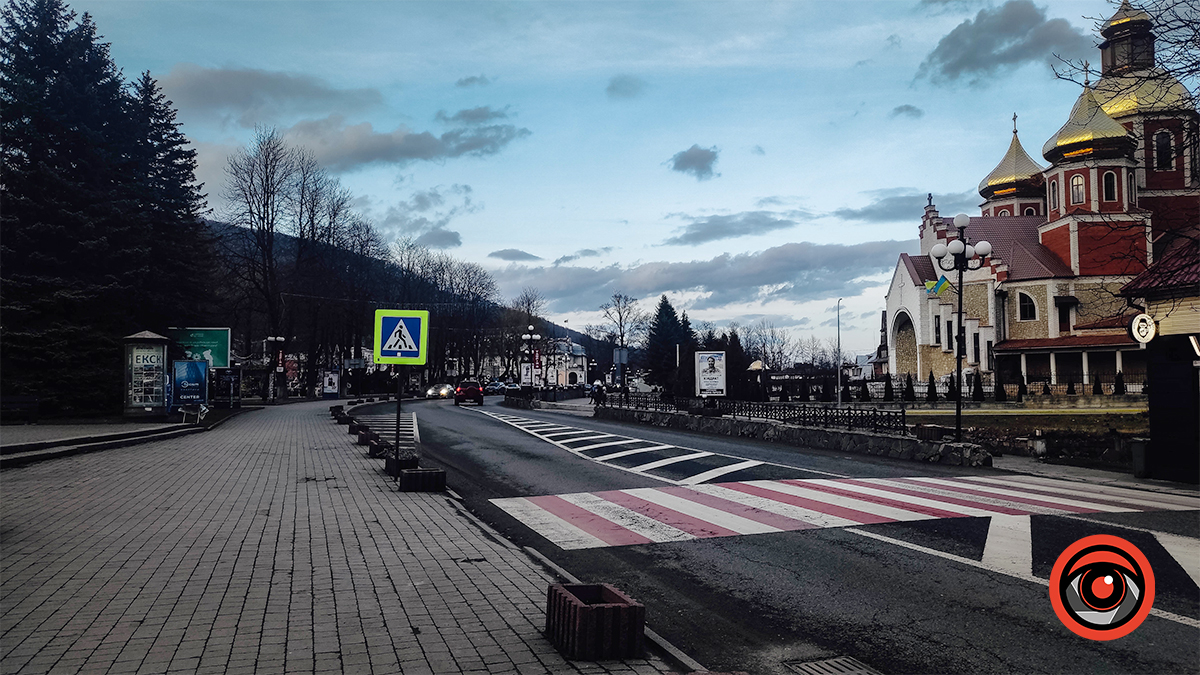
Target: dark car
468,390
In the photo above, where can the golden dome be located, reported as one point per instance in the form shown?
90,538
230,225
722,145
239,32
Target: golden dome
1016,166
1088,122
1125,14
1143,91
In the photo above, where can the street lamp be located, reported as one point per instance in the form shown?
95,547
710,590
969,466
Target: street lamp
530,338
839,352
961,256
276,348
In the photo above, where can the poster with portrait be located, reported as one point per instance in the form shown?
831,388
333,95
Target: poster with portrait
710,373
330,386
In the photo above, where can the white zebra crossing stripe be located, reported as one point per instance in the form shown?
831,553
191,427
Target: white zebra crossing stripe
719,471
596,446
650,466
1056,501
634,451
1093,494
649,515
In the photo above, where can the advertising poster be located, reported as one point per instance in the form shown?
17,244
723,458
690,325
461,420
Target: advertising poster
526,374
210,345
191,382
329,386
147,381
227,388
710,373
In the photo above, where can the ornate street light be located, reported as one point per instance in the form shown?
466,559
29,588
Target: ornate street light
961,256
530,338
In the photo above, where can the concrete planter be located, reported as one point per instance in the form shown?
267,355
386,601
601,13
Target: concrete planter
594,622
335,410
395,467
377,448
422,480
364,437
344,419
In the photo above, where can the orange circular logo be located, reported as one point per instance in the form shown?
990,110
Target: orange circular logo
1102,587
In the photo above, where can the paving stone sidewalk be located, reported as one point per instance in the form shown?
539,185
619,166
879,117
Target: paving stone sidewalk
269,545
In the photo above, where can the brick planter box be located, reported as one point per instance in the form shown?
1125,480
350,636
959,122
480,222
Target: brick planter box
344,419
594,622
364,437
377,448
422,480
335,410
353,428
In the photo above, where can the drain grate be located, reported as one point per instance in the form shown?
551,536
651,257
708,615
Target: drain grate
842,665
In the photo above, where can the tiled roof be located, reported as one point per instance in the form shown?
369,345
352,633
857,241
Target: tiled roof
1110,322
1179,267
1015,242
1066,342
920,268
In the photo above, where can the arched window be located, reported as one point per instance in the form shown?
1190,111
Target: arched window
1164,160
1110,187
1030,211
1132,191
1054,194
1077,189
1027,307
1003,212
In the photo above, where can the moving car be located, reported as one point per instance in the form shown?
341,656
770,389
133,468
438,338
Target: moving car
494,387
439,391
512,388
468,390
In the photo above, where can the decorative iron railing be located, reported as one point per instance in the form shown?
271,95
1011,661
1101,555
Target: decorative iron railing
788,413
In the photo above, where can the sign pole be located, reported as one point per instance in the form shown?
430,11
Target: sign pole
400,375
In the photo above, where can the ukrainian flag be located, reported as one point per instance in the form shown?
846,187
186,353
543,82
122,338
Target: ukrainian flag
936,287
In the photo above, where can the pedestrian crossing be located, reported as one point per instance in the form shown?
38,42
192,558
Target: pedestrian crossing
665,462
385,426
698,511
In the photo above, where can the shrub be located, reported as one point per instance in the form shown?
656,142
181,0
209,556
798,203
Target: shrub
889,394
931,392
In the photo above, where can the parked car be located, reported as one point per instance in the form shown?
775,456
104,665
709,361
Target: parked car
512,388
495,387
468,390
439,391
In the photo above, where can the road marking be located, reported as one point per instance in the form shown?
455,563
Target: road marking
1009,544
624,441
634,451
721,518
650,466
1184,550
719,471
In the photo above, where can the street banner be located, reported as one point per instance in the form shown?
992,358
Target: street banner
191,382
401,336
330,384
227,388
526,374
203,344
710,373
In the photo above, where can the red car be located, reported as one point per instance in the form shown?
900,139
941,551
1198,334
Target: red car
468,390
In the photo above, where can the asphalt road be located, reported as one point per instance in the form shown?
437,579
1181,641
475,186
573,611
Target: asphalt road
901,597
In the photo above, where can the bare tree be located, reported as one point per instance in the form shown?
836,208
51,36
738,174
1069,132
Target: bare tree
531,302
626,321
773,345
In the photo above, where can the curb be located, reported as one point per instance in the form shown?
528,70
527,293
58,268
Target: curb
47,450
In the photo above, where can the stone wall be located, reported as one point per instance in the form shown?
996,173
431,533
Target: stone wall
838,440
975,304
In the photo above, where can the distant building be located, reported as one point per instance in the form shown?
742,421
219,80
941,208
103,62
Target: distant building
1122,184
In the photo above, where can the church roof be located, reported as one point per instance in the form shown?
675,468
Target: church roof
1088,123
1125,13
1064,342
1015,242
1143,91
1016,166
920,268
1177,268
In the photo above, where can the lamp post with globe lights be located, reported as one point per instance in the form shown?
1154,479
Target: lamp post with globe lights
960,256
530,339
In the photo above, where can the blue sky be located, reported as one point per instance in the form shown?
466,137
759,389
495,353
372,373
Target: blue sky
750,159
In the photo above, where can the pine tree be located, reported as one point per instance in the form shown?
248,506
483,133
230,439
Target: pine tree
952,390
931,394
1097,389
1000,394
910,392
1119,384
976,388
663,337
864,393
889,393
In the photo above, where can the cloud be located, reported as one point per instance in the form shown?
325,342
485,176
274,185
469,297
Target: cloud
478,115
999,38
583,253
513,255
247,96
907,110
426,214
625,87
758,150
439,238
344,147
712,228
867,315
894,41
905,204
473,81
695,160
797,272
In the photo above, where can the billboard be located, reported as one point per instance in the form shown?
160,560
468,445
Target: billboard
145,369
710,373
191,382
227,388
330,386
203,344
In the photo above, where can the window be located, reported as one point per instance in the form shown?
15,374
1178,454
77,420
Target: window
1027,307
1131,191
1030,211
949,335
1054,194
991,356
975,347
937,330
1110,187
1164,160
1003,212
1077,189
1064,319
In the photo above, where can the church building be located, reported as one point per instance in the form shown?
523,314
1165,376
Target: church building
1123,182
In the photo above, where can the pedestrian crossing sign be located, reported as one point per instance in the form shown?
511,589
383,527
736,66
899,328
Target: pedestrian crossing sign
401,336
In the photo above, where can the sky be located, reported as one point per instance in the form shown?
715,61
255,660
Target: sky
748,159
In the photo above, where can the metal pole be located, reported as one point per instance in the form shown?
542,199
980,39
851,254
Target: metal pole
839,352
959,340
399,395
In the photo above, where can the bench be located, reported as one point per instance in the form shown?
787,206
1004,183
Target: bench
22,407
198,411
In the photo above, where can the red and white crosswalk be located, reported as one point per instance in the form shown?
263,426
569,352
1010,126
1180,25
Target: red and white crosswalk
685,512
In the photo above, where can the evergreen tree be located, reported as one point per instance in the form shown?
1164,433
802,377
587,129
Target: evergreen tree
864,394
1119,384
1097,389
1000,394
910,392
802,393
889,393
664,336
685,378
826,391
976,388
952,390
931,394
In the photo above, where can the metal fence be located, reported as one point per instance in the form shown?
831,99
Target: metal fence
1134,385
802,415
